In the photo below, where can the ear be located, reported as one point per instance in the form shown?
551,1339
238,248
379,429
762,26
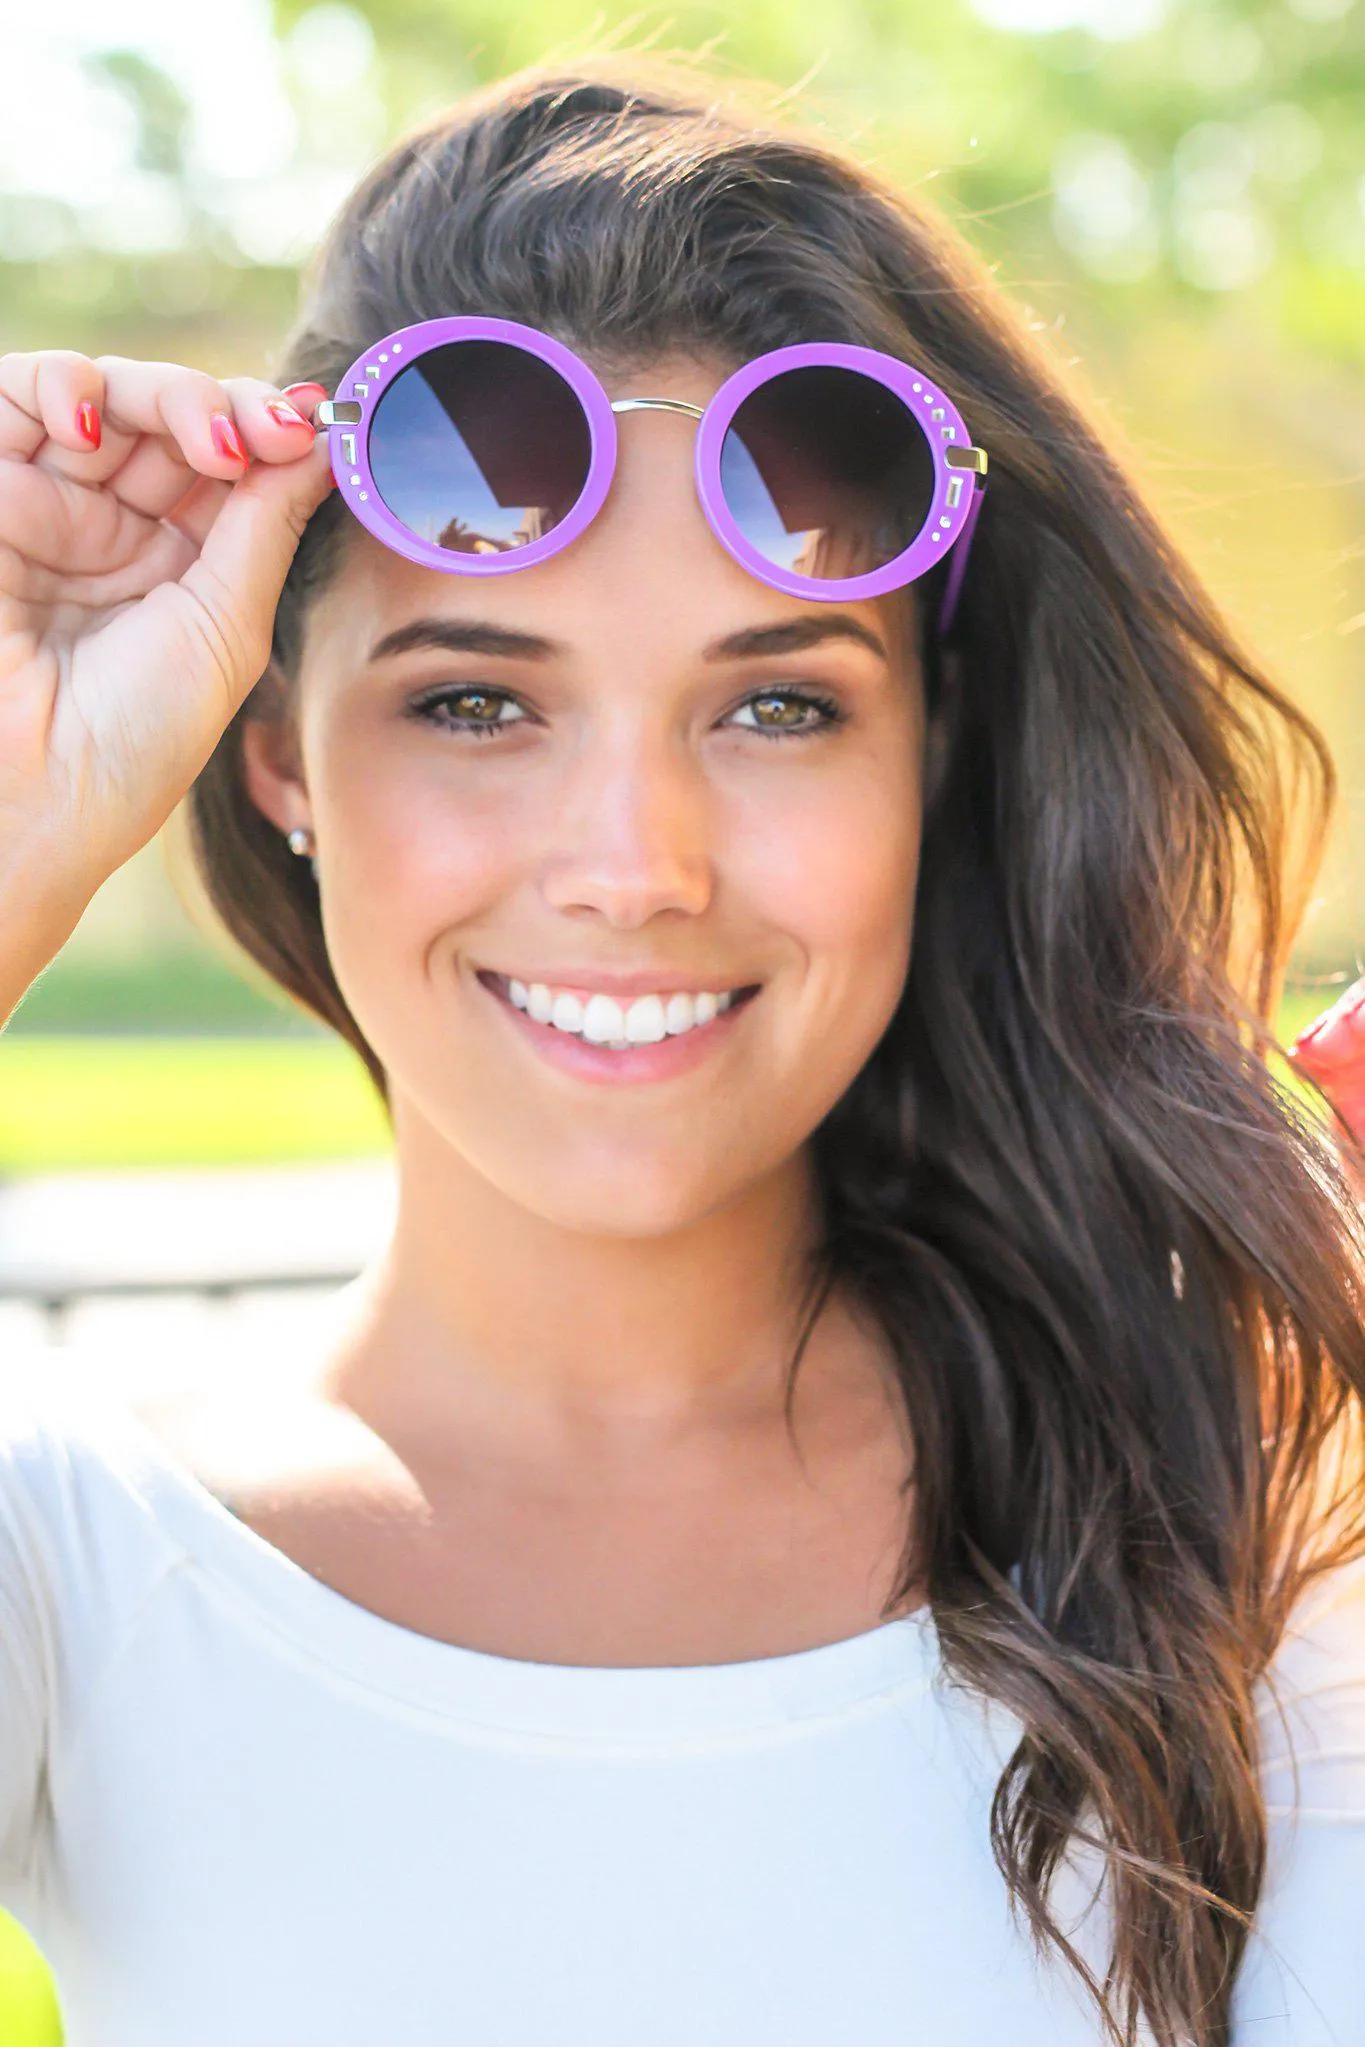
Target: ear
272,768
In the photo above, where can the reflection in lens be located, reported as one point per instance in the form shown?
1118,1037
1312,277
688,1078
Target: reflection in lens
826,472
479,447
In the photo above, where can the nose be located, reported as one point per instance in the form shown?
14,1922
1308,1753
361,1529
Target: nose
631,841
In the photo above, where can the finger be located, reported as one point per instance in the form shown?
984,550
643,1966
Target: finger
155,475
65,526
273,429
140,398
163,558
305,398
194,513
50,394
151,479
235,583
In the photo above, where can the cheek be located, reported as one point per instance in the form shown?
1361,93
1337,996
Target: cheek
836,867
412,851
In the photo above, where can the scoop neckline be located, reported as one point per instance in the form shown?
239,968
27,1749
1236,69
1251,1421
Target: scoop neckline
644,1706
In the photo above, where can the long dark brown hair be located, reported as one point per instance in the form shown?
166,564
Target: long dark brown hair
1114,1256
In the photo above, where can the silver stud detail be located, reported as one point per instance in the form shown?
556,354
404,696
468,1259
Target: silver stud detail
398,348
348,453
364,497
384,356
954,492
361,390
372,369
945,522
938,413
355,479
949,433
919,387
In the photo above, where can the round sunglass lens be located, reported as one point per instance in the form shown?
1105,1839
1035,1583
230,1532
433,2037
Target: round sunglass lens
479,447
826,472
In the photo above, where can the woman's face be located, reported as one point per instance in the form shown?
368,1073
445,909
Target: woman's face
630,786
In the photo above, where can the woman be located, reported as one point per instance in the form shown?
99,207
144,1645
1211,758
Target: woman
826,1520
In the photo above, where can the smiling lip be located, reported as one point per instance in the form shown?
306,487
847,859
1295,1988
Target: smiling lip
672,1025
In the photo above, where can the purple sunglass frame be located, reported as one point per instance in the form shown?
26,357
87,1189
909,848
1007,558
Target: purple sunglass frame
951,520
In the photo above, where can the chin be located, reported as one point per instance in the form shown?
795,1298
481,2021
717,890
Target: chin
635,1203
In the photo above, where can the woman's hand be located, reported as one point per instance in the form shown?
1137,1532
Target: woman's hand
1332,1052
148,516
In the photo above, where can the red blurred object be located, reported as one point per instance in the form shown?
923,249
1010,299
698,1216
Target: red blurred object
1332,1052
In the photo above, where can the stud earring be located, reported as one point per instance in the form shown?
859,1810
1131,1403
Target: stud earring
300,841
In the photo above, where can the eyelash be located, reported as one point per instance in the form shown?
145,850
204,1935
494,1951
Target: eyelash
830,712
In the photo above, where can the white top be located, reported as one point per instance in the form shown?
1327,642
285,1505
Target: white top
236,1807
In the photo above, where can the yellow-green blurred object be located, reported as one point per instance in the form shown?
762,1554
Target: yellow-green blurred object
29,2014
70,1102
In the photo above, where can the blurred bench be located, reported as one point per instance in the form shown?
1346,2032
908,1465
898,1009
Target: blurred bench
67,1238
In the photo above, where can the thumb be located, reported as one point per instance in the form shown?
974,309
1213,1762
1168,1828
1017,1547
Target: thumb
245,557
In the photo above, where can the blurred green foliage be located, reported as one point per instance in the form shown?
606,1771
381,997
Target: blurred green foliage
1219,152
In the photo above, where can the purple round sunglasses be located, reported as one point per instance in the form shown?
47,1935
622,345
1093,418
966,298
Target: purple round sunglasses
477,445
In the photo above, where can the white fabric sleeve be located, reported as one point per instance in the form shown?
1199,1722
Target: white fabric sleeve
27,1658
1302,1980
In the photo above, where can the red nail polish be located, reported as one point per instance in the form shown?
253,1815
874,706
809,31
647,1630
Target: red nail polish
88,422
226,438
283,414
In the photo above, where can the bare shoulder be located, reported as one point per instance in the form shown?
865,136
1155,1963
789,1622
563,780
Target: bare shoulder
293,1452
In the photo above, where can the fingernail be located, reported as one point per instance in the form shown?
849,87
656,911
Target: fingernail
306,397
226,438
284,415
88,422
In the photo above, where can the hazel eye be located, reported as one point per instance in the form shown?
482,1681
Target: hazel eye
776,712
474,710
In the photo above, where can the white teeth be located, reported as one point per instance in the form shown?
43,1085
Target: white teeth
602,1020
645,1023
679,1016
567,1014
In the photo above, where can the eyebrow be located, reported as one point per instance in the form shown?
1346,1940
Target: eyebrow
481,636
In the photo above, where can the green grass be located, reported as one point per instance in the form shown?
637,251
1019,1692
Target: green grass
69,1102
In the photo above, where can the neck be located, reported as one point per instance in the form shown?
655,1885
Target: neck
481,1307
